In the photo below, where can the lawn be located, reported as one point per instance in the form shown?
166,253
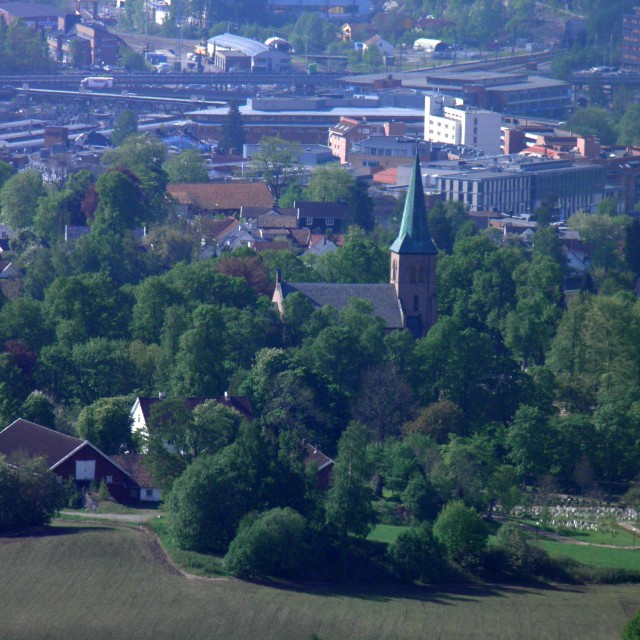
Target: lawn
105,582
385,532
596,556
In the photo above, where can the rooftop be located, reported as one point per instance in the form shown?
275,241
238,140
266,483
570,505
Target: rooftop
238,43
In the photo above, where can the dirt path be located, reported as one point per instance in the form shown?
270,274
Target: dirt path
117,517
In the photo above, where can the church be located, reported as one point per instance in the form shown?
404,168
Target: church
408,301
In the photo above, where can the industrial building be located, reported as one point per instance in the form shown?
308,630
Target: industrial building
517,186
630,46
231,53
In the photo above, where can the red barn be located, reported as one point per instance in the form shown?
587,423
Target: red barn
68,457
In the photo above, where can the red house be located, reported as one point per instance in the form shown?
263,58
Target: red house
69,457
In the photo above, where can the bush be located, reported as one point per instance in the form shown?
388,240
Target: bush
420,498
632,628
417,556
271,544
206,504
521,557
462,532
30,494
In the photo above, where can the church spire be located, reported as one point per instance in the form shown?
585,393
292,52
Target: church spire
414,237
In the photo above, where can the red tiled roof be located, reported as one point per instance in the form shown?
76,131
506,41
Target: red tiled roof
223,196
37,441
301,236
133,464
277,221
214,228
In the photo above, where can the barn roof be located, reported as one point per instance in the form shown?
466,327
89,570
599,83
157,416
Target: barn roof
133,464
37,441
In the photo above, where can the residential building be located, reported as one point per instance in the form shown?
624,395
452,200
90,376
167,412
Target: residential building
409,300
384,47
348,131
630,45
449,121
82,43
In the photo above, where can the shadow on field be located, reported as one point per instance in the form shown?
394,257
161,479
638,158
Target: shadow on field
456,594
48,532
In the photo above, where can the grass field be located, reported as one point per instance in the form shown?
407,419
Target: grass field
104,582
385,533
596,556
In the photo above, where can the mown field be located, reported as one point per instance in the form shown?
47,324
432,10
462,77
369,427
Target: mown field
83,581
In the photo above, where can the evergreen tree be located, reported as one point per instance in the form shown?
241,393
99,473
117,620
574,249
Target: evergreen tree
233,136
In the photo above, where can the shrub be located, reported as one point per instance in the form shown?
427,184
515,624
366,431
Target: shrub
417,556
520,555
632,628
420,498
462,532
271,544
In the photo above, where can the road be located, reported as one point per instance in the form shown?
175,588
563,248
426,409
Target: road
117,517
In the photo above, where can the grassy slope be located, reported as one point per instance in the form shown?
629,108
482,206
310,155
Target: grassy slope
102,582
596,556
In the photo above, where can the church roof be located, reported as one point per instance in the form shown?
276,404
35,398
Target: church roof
414,237
381,296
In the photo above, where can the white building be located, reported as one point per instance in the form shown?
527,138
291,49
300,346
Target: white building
448,120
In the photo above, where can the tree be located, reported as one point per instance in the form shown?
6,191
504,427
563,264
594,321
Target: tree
348,503
30,494
271,544
233,136
333,183
119,201
39,409
107,424
126,125
187,166
416,556
420,497
521,556
592,121
275,161
462,532
439,420
629,126
19,198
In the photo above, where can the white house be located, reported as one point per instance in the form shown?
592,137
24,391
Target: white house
377,42
448,120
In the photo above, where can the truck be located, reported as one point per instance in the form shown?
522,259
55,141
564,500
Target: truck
98,82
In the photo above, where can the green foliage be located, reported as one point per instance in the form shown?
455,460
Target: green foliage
126,125
187,166
30,494
207,502
23,50
631,630
462,533
19,198
592,121
348,503
38,408
416,556
270,544
420,498
107,424
233,136
276,162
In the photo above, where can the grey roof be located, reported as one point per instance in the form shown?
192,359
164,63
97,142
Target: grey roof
30,10
238,43
381,296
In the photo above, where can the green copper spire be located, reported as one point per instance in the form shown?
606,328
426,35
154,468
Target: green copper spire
414,236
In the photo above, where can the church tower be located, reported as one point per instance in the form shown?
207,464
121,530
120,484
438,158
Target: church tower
413,261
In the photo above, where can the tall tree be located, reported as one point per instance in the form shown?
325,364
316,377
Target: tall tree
233,135
187,166
275,162
19,198
126,125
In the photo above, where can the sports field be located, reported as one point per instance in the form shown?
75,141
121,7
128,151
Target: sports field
83,581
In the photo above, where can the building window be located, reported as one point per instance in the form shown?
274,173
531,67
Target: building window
310,222
148,493
329,222
416,303
412,273
109,479
421,273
